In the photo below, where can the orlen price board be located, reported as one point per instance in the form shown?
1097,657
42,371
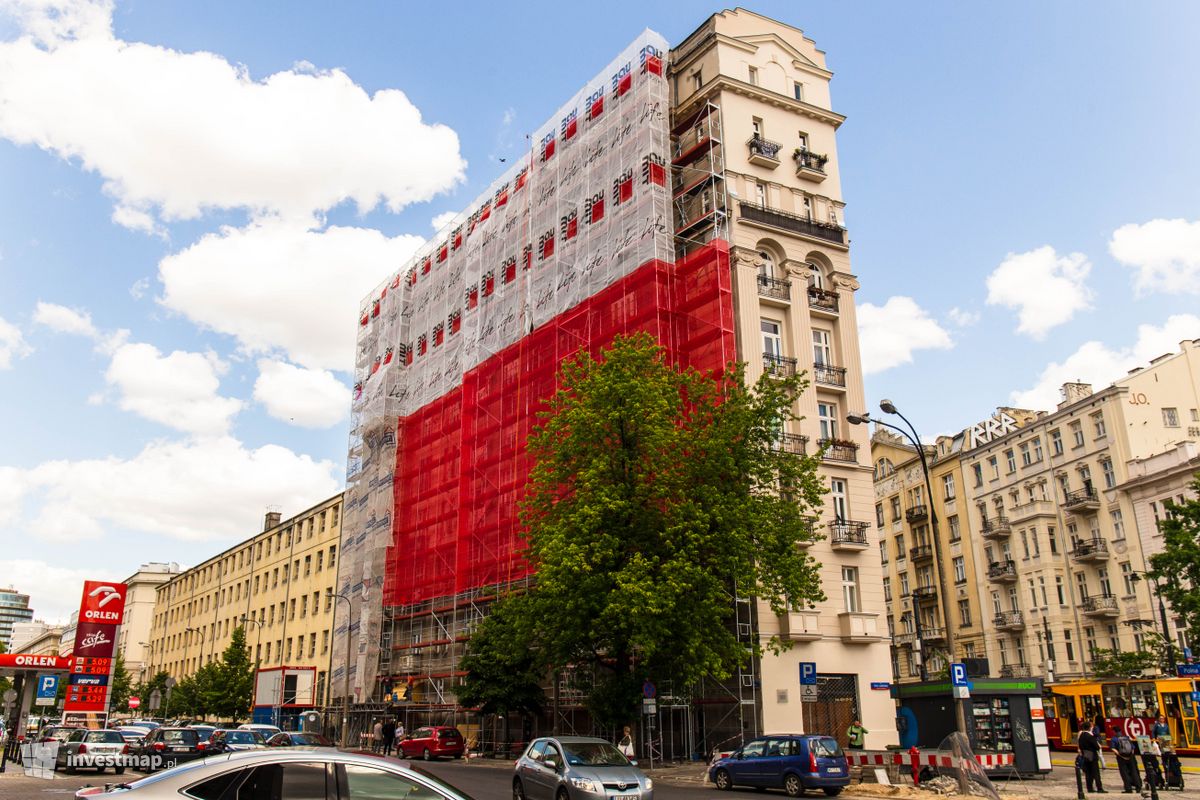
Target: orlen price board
101,612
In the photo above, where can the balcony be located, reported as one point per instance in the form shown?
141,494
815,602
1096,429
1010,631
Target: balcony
933,635
822,300
839,450
829,376
904,639
810,166
1103,605
845,535
918,513
1002,571
1082,501
779,366
792,443
1015,671
921,553
800,626
774,288
996,527
857,628
763,153
921,594
1009,621
1090,551
793,223
1037,508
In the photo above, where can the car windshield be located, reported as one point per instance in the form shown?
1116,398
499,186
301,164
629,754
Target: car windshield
594,754
825,747
104,737
243,737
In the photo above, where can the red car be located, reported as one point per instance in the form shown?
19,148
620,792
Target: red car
433,742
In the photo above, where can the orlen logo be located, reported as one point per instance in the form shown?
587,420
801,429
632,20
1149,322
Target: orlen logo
102,602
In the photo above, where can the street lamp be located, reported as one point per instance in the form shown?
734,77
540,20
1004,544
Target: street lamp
1168,647
201,661
888,407
346,668
258,639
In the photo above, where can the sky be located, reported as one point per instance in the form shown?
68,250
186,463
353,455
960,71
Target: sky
195,196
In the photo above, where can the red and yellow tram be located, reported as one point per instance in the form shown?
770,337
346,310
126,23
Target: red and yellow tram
1131,706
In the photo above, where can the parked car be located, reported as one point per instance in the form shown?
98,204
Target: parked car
97,750
282,772
434,741
168,747
133,735
575,768
792,762
203,731
297,739
267,731
58,733
229,741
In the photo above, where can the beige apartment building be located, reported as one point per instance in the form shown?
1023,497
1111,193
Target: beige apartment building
756,162
276,584
141,595
1157,482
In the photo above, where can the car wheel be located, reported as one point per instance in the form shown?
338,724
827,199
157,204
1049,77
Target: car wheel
69,769
793,786
428,756
119,770
721,779
562,795
833,791
518,790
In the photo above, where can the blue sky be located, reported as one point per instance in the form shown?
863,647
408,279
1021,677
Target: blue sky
194,195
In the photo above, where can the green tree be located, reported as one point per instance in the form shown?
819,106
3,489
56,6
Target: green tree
121,685
193,697
145,688
1177,567
657,497
1122,664
231,691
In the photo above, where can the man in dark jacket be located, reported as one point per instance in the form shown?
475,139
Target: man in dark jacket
1126,751
389,736
1089,755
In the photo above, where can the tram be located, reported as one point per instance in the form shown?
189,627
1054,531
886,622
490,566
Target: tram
1131,706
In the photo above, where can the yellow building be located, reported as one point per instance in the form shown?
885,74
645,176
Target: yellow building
275,583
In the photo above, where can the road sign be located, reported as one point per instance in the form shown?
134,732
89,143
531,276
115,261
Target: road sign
648,690
808,673
961,692
958,675
134,702
1187,670
649,706
47,690
881,686
155,700
808,693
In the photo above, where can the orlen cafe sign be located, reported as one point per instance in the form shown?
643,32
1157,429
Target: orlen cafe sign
101,611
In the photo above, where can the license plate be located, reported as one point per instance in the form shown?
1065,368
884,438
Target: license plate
834,770
179,749
622,796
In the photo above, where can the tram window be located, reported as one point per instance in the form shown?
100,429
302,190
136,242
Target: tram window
1117,701
1050,705
1144,699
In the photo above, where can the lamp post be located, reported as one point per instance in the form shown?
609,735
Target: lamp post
1049,650
888,407
1168,647
346,668
201,664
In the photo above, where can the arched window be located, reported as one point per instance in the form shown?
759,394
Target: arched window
817,280
883,468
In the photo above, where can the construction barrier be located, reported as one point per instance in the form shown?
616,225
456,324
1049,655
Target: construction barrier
917,759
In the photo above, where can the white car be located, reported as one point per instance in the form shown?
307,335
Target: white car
267,731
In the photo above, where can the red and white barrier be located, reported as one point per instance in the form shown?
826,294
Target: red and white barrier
916,759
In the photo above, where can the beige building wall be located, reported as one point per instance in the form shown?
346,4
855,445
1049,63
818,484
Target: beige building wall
45,643
140,597
275,584
791,275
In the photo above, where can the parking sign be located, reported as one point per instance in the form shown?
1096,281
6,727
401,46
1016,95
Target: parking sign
958,674
47,690
808,673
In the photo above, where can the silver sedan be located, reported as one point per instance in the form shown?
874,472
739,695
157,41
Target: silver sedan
299,772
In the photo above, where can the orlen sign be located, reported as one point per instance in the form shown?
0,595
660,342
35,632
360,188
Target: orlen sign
103,602
23,661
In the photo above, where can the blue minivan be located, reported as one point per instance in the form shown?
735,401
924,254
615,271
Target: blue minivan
792,762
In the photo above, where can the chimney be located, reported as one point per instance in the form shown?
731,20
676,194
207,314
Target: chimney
271,520
1072,392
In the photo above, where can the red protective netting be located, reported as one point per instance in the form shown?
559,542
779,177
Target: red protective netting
460,460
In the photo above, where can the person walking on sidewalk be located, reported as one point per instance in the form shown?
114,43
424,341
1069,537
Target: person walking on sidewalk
856,735
376,736
388,736
1089,756
1126,751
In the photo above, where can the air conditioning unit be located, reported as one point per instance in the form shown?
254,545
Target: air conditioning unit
406,663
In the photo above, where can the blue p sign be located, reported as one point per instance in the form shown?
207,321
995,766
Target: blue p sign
47,688
958,674
808,673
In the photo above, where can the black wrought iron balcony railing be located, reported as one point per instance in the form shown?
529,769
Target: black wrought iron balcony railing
1002,571
822,299
839,449
1095,549
921,552
917,513
1009,619
1081,498
1100,605
775,364
784,220
764,148
830,376
806,159
791,443
844,532
1015,671
774,287
933,633
996,526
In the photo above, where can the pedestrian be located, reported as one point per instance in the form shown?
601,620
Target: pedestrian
1098,729
1089,755
1126,751
1150,760
400,732
626,743
389,736
1161,728
856,735
376,736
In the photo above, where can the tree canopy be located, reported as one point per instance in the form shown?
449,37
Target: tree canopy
222,688
657,496
1177,567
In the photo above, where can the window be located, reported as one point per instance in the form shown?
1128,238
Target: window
822,352
996,607
837,498
332,554
955,530
1024,543
960,570
850,588
1118,523
905,591
304,606
320,560
1089,638
895,504
697,80
1127,578
752,76
1058,588
887,589
994,466
1052,537
1170,417
948,487
879,515
1077,433
977,470
1098,425
901,553
1110,477
771,338
883,551
307,565
964,613
1037,450
1042,589
1011,459
1056,445
324,641
1070,645
1105,585
1081,586
828,420
1026,455
798,90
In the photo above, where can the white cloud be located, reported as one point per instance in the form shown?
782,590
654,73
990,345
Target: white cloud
1098,364
962,318
1164,254
890,333
12,490
292,143
64,320
310,398
204,489
12,344
276,285
1045,289
179,390
53,589
65,525
442,220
